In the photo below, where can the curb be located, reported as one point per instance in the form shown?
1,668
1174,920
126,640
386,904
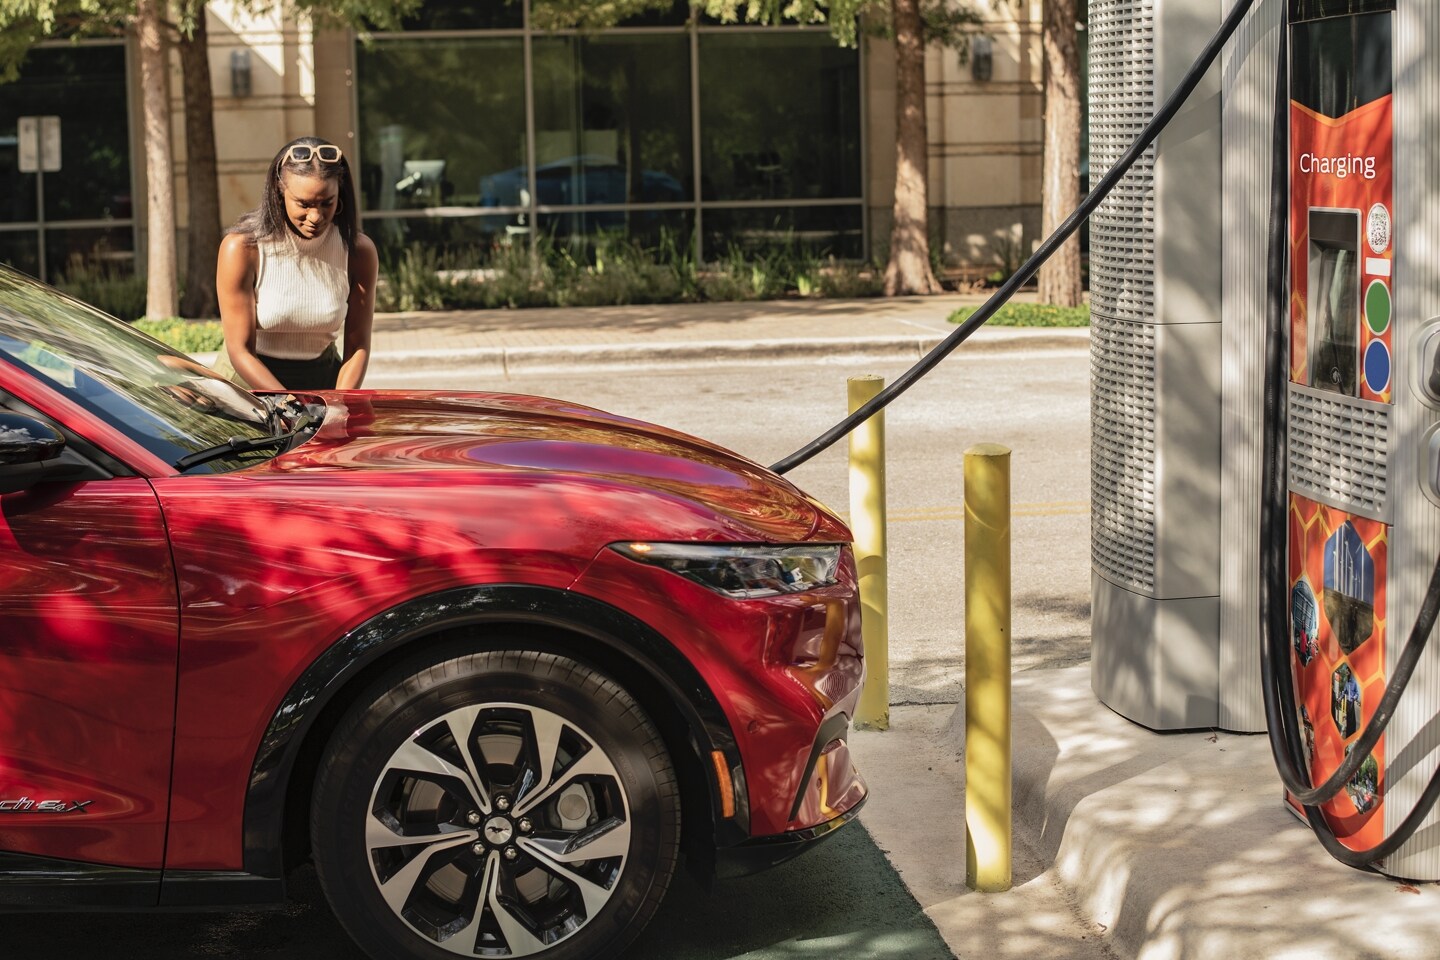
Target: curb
507,361
512,361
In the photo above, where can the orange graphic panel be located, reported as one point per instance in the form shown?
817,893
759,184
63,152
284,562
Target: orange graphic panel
1337,653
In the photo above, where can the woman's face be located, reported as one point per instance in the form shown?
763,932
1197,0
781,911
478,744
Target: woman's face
310,202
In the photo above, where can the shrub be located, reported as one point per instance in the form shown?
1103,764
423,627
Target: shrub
413,282
610,268
187,336
118,292
1031,315
848,280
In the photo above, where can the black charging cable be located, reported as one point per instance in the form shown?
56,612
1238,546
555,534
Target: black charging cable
1045,251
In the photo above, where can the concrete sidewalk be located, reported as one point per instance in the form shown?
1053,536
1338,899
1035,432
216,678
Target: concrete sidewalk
512,342
1128,843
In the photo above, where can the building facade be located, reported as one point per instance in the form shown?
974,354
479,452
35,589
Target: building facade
470,127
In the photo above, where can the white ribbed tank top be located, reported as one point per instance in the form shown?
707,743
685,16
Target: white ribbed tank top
301,291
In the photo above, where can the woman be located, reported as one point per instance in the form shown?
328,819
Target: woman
293,272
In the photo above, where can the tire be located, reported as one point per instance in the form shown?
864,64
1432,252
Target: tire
554,835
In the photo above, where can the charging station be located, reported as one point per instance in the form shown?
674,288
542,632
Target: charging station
1183,281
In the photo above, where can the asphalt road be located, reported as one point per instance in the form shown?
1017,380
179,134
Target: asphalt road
1036,403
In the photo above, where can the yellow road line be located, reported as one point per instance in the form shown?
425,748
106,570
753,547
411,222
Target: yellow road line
1059,508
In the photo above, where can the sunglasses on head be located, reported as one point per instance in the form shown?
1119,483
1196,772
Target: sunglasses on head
304,153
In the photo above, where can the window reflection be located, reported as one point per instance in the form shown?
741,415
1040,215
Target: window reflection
443,129
438,118
779,115
612,120
164,401
72,252
85,88
665,232
451,241
828,231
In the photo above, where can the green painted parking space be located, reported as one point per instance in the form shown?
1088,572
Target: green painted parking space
840,900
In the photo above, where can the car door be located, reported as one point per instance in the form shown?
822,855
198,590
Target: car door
88,646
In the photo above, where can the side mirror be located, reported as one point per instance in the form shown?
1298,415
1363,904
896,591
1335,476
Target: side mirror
26,446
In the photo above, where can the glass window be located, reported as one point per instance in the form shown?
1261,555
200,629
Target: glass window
779,116
442,123
20,249
826,231
463,241
466,15
665,231
84,87
108,251
612,119
162,399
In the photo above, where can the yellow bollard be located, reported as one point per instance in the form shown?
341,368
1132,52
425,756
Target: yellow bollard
867,522
987,668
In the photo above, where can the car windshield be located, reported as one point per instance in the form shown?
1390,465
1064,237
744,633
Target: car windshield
165,401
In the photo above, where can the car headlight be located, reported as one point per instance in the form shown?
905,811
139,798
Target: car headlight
743,571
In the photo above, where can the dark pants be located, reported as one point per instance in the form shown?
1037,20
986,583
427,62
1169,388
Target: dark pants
317,374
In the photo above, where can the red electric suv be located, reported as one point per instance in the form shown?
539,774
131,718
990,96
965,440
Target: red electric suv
493,662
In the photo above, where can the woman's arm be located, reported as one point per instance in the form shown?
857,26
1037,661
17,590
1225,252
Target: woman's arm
360,317
235,289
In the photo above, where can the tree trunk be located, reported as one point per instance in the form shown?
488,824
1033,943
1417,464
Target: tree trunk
1060,276
160,298
908,271
202,182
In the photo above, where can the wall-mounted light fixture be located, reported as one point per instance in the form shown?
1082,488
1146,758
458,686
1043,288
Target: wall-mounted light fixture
982,57
240,73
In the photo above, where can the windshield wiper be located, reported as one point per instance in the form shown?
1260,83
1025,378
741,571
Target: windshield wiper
242,445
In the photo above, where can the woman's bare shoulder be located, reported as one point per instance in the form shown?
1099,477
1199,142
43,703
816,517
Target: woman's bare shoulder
238,254
237,244
364,252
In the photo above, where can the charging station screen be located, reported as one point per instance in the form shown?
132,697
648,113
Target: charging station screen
1341,195
1333,299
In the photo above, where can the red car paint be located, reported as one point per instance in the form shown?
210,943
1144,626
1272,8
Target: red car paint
397,496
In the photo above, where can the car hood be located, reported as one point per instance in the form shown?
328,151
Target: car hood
445,440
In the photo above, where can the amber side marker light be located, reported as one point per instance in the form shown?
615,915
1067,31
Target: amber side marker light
727,789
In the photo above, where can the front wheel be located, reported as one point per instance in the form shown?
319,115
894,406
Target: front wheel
497,804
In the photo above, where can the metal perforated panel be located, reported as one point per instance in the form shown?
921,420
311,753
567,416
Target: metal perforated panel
1122,452
1122,101
1339,451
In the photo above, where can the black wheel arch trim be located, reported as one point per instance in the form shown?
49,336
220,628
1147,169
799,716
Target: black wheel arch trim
416,619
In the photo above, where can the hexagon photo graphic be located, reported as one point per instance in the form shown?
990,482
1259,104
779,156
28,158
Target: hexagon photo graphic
1363,789
1345,701
1304,622
1349,588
